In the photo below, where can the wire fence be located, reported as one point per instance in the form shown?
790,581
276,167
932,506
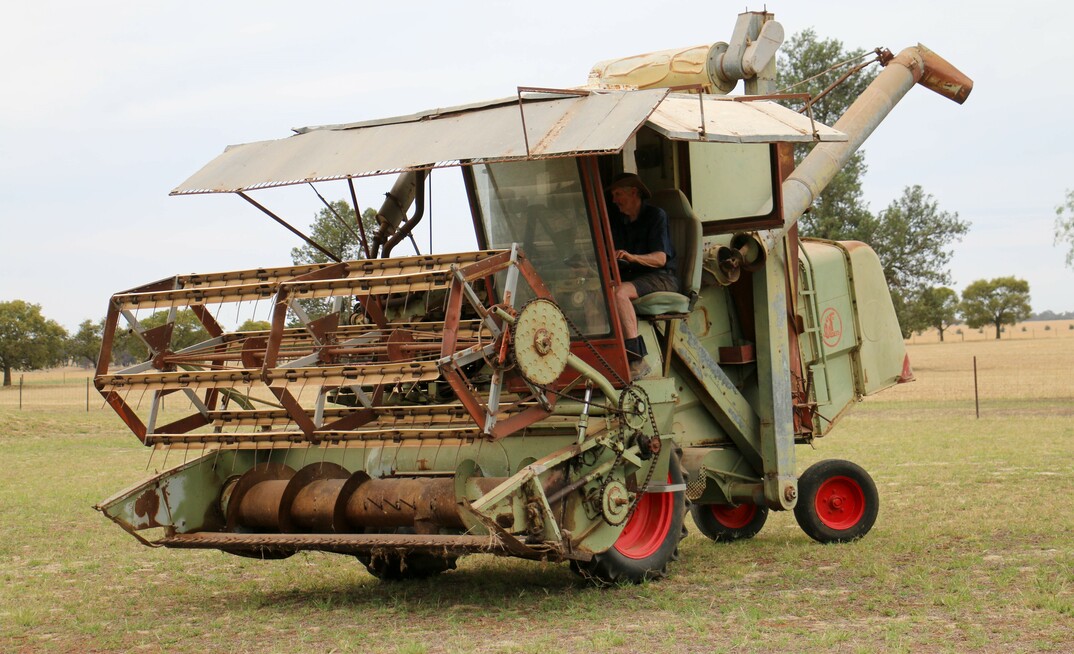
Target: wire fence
73,389
36,391
1024,370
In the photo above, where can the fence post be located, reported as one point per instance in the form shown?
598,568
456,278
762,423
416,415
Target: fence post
20,392
87,394
976,397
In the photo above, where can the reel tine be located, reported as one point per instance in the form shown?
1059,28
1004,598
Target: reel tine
138,406
152,451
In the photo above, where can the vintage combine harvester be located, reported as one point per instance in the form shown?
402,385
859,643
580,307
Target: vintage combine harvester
481,402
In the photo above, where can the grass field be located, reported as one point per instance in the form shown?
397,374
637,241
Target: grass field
972,550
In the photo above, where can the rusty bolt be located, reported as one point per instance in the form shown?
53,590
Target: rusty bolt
789,493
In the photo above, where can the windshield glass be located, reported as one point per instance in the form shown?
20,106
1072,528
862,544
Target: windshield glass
540,206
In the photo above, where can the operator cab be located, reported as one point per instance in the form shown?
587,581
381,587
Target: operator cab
556,209
535,168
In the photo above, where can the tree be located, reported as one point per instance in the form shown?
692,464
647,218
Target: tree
913,239
1000,301
127,348
912,236
936,308
187,330
330,232
839,212
85,345
342,240
28,340
252,325
1064,226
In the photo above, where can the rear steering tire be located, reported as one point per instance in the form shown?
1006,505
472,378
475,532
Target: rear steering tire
837,501
648,542
724,523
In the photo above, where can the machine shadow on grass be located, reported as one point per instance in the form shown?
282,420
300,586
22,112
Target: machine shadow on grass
482,586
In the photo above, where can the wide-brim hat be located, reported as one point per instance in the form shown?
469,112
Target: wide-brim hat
623,180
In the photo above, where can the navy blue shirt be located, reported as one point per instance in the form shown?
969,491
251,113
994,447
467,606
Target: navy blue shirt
648,233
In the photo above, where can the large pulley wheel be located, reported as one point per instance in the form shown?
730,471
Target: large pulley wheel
837,501
648,542
541,341
729,522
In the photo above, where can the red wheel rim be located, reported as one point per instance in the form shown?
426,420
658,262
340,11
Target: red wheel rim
733,517
840,503
647,529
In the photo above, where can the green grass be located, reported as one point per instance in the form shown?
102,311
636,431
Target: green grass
971,551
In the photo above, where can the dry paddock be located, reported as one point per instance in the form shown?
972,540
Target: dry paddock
971,552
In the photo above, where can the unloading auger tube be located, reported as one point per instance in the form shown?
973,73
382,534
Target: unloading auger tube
914,65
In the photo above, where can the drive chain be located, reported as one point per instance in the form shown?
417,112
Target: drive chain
629,388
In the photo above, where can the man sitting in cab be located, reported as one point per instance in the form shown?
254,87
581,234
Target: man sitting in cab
645,256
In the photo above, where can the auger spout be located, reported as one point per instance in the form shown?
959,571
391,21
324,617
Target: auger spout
915,65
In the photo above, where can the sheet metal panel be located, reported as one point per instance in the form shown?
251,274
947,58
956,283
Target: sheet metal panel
564,126
734,121
601,122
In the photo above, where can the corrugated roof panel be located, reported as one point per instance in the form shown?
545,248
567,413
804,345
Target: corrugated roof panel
554,126
598,122
735,121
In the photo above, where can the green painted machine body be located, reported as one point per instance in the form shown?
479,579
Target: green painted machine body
484,402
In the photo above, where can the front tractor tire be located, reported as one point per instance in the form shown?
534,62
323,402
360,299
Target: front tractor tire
724,523
837,501
649,540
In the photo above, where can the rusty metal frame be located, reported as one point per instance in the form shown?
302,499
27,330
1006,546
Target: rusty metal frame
486,414
320,353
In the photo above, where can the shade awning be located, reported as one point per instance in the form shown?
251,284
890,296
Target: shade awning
540,126
721,119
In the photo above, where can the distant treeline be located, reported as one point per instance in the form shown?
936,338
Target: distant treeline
1051,315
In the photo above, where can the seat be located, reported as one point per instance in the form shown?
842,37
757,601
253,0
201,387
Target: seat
685,231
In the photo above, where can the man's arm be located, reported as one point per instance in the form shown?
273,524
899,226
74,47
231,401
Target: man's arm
650,260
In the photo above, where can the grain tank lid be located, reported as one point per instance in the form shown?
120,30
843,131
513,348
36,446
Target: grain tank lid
542,125
735,120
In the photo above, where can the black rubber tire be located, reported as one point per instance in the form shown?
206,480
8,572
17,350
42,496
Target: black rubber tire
715,521
393,566
614,567
388,564
837,501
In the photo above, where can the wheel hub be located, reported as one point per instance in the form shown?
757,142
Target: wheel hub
840,502
615,503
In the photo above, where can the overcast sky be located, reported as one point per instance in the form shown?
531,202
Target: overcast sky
110,105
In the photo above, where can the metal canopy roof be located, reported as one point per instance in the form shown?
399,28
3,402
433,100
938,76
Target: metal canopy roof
541,126
735,120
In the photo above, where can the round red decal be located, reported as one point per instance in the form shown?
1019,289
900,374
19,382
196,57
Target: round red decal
831,326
